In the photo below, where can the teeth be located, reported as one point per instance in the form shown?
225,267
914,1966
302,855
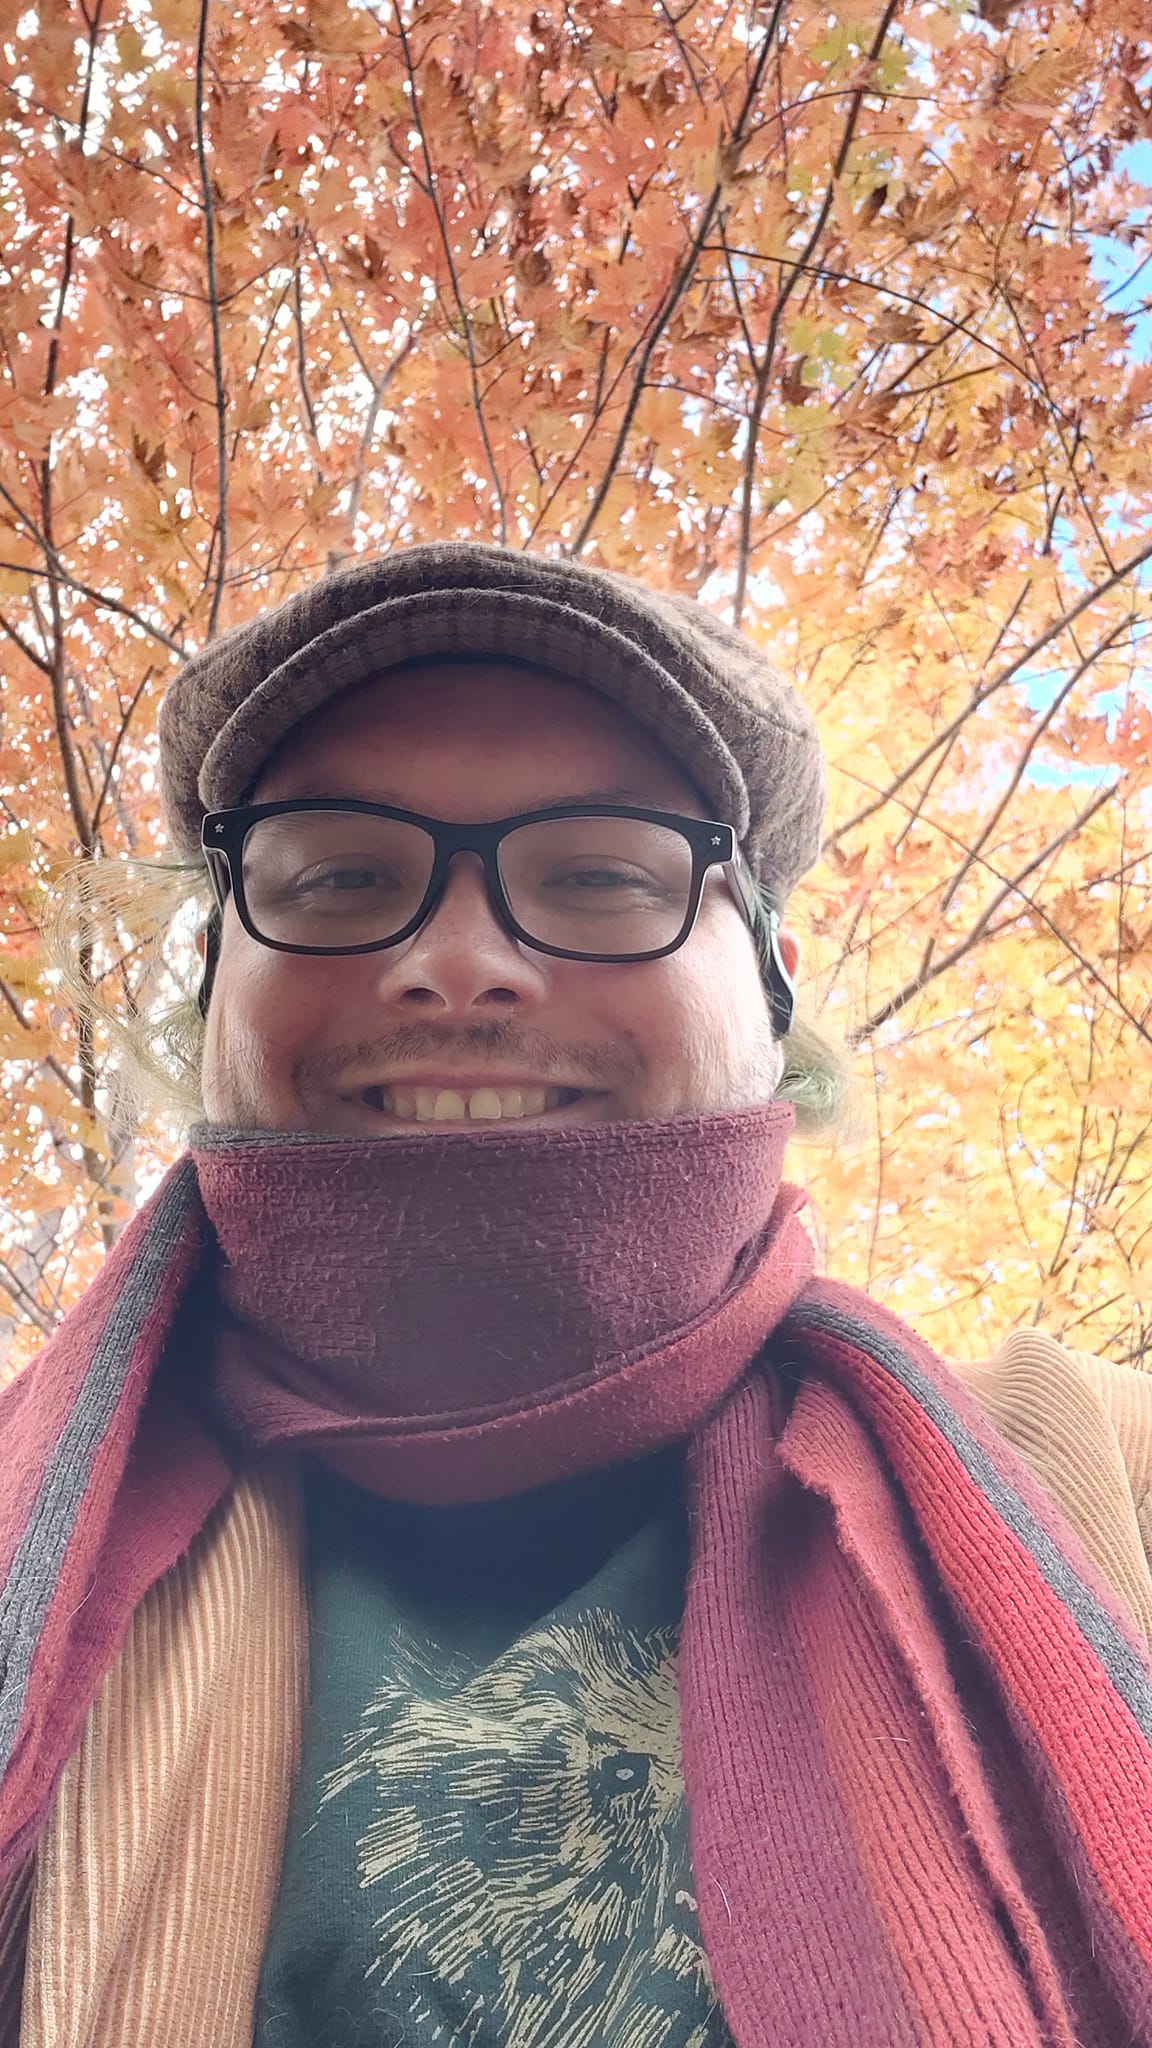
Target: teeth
452,1105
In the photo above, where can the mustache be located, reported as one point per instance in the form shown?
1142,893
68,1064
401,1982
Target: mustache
405,1046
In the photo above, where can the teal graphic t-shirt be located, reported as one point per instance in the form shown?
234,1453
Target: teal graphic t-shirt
488,1843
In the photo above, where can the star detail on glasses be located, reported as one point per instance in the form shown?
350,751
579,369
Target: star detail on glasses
219,828
715,839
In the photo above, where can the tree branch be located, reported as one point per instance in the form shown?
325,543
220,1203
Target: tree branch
23,1299
681,277
1012,887
38,660
46,1060
115,749
434,200
763,371
1036,735
887,291
219,543
356,494
981,696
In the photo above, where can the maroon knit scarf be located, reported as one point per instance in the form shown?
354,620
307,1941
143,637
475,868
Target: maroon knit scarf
917,1724
456,1318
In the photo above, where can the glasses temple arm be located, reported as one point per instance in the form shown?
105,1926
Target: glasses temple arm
764,919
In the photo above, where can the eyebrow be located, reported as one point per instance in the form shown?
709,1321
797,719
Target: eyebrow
340,788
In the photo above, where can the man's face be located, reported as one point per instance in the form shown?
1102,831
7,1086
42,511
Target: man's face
294,1041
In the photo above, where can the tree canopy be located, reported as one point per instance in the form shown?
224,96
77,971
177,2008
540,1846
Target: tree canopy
831,315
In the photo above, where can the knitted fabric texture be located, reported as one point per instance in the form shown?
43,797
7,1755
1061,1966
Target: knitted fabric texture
917,1723
707,694
413,1309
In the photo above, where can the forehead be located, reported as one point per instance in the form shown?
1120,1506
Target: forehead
490,733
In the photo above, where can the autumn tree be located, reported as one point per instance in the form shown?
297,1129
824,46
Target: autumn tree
831,317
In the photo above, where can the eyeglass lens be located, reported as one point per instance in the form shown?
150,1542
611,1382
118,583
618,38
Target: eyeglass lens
587,885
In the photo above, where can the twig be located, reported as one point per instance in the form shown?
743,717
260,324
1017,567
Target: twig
981,696
434,199
1088,661
301,364
1055,412
379,393
116,746
764,369
23,1298
46,1060
219,543
38,660
888,291
57,567
921,979
680,280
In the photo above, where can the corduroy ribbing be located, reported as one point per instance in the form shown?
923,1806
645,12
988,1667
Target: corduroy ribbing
157,1873
1047,1402
15,1906
30,1579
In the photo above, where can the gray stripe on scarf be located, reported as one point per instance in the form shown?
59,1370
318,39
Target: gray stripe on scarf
1119,1658
27,1594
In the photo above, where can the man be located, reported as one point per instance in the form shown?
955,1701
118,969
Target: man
464,1580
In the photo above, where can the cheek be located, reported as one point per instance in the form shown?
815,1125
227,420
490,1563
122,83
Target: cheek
703,1015
263,1010
704,1037
721,990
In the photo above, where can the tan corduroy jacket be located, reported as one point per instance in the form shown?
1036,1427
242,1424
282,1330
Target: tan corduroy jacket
141,1921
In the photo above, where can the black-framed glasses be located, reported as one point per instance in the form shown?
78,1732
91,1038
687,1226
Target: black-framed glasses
601,882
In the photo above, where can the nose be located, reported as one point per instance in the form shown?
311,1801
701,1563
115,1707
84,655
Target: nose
463,957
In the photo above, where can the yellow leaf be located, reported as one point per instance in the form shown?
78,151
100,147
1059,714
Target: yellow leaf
23,974
15,848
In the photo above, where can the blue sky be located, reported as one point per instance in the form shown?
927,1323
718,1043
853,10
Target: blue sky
1126,274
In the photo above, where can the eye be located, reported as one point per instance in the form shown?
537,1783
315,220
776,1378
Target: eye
626,1770
335,874
341,878
604,879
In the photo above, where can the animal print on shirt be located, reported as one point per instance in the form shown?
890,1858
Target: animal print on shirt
529,1844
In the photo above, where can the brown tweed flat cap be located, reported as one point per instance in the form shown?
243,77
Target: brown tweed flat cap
712,698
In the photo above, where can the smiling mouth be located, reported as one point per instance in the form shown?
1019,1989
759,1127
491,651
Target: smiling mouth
467,1106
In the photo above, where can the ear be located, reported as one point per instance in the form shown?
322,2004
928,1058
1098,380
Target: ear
789,946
